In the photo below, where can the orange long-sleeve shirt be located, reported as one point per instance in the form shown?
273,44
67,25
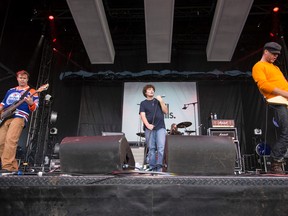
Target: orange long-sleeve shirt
268,77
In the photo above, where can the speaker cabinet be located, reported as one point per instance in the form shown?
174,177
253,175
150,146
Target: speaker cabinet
225,132
229,132
95,154
200,155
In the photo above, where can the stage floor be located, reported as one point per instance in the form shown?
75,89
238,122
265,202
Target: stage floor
143,193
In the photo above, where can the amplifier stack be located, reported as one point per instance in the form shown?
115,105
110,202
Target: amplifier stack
225,128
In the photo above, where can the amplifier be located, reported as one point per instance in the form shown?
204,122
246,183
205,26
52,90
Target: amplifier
223,123
229,132
226,132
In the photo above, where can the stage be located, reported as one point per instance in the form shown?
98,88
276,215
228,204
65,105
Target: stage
143,193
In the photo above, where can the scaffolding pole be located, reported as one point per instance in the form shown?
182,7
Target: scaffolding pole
38,135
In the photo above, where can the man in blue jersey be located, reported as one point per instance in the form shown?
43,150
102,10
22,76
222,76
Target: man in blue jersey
12,125
152,112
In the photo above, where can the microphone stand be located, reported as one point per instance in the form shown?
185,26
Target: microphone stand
140,142
185,107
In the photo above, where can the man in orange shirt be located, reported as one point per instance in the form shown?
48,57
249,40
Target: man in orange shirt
271,83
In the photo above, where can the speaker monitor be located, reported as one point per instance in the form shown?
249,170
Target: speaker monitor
95,154
200,155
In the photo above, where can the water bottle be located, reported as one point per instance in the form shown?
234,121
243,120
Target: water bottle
211,116
215,116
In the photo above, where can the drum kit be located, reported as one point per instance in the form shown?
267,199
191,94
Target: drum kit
185,125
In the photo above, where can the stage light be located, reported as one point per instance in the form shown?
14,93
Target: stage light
56,148
53,131
54,40
276,9
272,34
47,97
257,131
51,17
53,117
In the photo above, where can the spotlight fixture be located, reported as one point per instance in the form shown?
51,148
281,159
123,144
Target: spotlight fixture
51,17
272,34
257,131
53,117
56,148
53,131
47,97
276,9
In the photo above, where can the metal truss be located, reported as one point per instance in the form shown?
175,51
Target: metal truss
38,135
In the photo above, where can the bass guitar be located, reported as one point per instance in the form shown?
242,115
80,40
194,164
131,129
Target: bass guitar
278,100
7,113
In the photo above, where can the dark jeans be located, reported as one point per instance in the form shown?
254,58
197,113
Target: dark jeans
279,148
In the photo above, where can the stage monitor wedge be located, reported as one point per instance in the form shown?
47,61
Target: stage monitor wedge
200,155
95,154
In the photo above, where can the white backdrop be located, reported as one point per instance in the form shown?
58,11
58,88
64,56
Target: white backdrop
176,95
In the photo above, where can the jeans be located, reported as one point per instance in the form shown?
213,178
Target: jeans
279,148
155,139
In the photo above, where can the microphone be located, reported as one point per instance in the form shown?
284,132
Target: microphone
185,107
162,96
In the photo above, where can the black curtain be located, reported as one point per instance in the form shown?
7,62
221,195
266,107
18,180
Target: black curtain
241,101
224,99
88,109
101,109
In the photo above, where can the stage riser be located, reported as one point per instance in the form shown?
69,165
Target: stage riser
145,200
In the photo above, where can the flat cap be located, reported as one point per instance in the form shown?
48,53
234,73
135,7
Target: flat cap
273,47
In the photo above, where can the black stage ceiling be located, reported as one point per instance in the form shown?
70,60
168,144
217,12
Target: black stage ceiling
190,29
144,194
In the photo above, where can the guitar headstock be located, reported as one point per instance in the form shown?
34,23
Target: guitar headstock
43,88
